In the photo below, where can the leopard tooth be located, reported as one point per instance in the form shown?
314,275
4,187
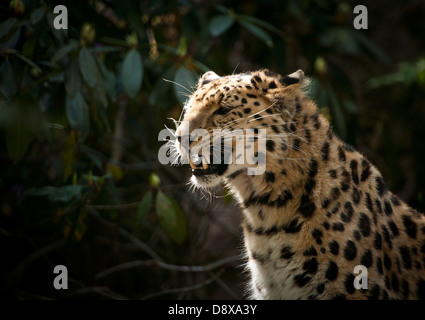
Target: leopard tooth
192,165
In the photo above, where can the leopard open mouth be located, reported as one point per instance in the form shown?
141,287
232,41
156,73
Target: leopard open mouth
200,167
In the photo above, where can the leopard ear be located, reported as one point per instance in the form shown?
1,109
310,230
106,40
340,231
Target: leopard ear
293,78
207,77
274,82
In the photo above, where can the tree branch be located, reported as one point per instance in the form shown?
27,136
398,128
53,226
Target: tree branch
185,289
143,246
103,291
171,267
123,206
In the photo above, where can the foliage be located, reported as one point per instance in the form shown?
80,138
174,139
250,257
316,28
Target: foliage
408,73
80,111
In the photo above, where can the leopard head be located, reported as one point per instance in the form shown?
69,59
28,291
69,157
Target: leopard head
231,123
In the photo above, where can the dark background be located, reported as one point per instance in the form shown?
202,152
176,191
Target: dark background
81,109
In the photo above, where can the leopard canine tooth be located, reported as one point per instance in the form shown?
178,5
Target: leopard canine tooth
192,165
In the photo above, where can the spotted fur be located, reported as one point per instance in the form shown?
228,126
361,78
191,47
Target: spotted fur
320,208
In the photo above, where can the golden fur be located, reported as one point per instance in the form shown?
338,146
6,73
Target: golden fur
320,209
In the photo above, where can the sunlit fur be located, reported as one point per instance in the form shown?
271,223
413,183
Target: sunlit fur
320,209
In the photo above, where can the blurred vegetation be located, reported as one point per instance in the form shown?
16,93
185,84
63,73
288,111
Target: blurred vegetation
81,109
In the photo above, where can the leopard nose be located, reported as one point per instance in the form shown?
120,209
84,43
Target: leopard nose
179,139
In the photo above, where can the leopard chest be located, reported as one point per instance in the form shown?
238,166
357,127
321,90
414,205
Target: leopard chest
278,266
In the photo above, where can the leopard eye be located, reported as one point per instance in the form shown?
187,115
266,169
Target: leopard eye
222,111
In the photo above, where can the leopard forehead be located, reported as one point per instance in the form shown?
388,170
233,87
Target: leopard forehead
212,94
221,90
235,90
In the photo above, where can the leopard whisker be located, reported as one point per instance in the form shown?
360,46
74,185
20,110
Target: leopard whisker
180,85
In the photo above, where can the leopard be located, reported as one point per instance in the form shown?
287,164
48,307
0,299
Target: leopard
319,210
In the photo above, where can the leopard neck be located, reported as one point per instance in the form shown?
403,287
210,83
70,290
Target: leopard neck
291,190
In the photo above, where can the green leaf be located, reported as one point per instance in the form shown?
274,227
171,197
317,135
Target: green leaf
420,78
220,24
162,90
67,193
40,191
222,9
77,112
294,7
115,41
110,85
17,138
181,229
75,225
71,46
263,24
346,43
100,94
350,106
88,67
115,171
104,118
7,26
409,71
11,40
23,121
64,194
25,59
132,72
8,84
37,15
328,37
372,47
108,79
72,78
185,81
170,217
95,160
144,207
29,46
182,46
385,80
169,49
99,180
106,49
68,155
258,32
202,67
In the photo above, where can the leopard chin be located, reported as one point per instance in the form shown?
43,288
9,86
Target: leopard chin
209,177
206,181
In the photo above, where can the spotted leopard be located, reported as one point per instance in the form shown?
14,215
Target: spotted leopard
319,209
